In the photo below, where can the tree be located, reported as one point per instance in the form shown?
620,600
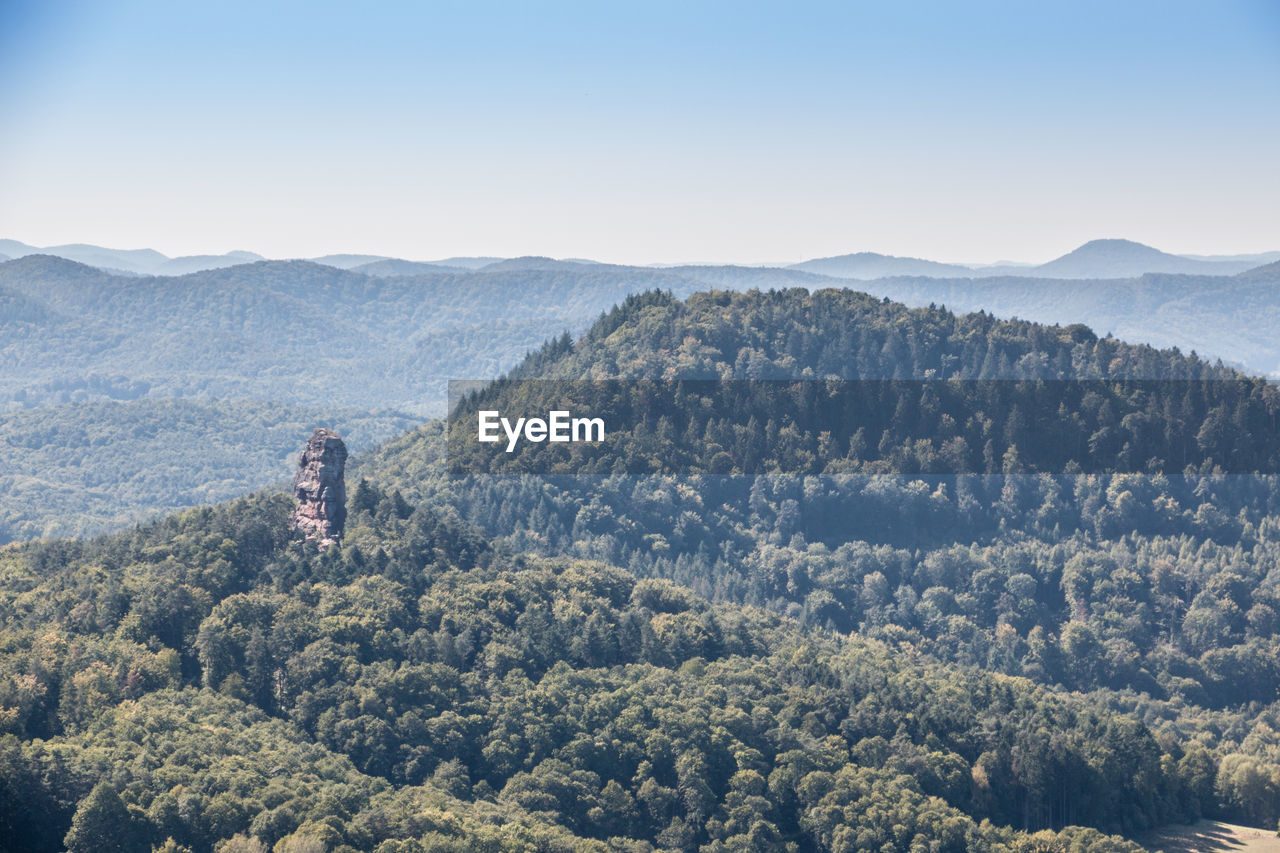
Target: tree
101,824
242,843
171,846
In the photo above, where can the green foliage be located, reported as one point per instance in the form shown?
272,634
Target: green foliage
1158,583
101,824
1161,584
416,665
892,663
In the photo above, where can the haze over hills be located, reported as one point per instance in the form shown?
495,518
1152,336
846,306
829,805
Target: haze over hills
82,468
1257,258
139,261
1096,259
1227,317
311,335
470,263
537,262
294,331
346,262
1125,258
196,263
868,265
1264,273
395,266
386,265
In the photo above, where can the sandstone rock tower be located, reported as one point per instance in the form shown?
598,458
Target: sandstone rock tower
319,489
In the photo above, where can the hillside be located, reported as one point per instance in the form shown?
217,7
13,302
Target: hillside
847,662
132,261
315,336
310,338
1127,259
869,265
1157,583
1217,316
897,390
208,679
393,266
292,331
78,469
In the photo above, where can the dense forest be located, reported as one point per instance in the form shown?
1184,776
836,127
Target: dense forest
203,679
1028,661
1227,316
1158,582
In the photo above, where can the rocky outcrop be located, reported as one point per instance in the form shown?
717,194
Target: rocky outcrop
319,489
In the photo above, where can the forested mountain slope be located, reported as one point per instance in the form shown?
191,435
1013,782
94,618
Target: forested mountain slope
1163,584
212,679
469,670
313,335
1224,317
83,351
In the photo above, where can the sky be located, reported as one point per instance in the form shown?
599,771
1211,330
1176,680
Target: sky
641,132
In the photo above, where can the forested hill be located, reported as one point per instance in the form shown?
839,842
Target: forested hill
949,405
388,336
77,469
1225,316
505,664
824,333
205,680
1160,584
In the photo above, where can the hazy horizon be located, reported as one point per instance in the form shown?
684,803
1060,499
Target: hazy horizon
655,134
656,262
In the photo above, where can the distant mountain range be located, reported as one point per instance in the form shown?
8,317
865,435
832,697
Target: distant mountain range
869,265
388,333
151,262
1095,259
292,331
380,264
136,261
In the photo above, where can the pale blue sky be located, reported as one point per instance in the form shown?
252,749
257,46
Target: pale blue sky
641,132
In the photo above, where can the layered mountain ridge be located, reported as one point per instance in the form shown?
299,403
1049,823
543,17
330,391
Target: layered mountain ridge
1106,258
1001,664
